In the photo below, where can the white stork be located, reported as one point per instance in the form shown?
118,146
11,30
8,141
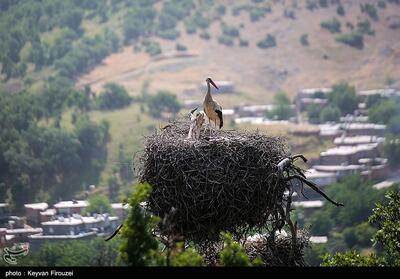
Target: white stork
212,109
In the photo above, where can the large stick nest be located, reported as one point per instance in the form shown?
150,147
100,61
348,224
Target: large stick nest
226,182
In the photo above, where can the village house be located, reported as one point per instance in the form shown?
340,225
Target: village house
364,129
348,154
66,208
308,207
356,140
33,210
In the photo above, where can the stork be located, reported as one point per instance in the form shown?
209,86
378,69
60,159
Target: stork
212,109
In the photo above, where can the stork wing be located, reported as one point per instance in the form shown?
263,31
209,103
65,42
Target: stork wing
221,121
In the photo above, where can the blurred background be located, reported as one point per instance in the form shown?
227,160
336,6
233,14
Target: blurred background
82,83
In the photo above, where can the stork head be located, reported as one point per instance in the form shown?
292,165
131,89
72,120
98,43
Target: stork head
209,80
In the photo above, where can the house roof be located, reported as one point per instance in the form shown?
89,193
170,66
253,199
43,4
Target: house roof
318,239
71,204
37,206
357,140
309,204
348,150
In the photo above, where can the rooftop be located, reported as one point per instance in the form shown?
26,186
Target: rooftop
37,206
309,204
313,173
357,140
348,150
318,239
49,212
361,126
335,168
40,236
315,90
70,204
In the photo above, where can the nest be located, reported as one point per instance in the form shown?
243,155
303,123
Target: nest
226,181
280,252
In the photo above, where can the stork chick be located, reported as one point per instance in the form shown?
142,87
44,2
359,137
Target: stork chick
212,109
196,122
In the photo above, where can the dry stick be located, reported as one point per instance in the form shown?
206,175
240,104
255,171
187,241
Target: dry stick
314,187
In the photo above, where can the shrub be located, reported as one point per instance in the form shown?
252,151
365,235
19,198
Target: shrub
370,10
243,43
205,35
180,47
382,4
169,34
225,40
114,96
304,40
330,113
340,10
333,25
151,47
353,39
230,31
269,41
364,27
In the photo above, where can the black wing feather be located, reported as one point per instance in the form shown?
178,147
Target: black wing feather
221,120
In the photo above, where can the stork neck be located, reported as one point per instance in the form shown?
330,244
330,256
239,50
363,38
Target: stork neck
208,95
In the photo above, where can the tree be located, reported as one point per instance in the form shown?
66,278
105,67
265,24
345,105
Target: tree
333,25
233,254
114,96
354,39
164,101
383,111
139,246
99,204
330,113
387,217
344,97
282,110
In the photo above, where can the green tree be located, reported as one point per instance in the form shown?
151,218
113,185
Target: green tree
344,97
383,111
99,204
330,113
114,96
139,246
164,101
282,110
333,25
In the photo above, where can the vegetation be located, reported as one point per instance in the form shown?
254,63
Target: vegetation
353,39
384,111
269,41
387,218
344,97
330,114
370,9
333,25
304,40
391,150
180,47
282,110
164,101
114,96
364,27
99,204
340,10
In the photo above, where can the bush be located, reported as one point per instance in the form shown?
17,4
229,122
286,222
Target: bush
311,4
330,113
99,204
381,4
353,39
391,149
168,34
340,10
333,25
243,43
180,47
370,10
230,31
383,111
205,35
151,47
114,96
364,27
269,41
225,40
344,97
164,101
304,40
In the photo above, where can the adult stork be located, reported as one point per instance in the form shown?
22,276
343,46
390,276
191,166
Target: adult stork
212,109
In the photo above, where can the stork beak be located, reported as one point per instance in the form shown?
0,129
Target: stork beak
213,83
193,110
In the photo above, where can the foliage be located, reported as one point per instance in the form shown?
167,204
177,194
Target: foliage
185,257
344,97
230,31
370,9
205,35
330,114
333,25
267,42
282,110
353,39
394,125
364,27
233,254
114,96
95,252
99,204
139,246
351,258
340,10
304,40
164,101
151,47
391,150
359,235
225,40
180,47
313,254
383,111
243,43
387,217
